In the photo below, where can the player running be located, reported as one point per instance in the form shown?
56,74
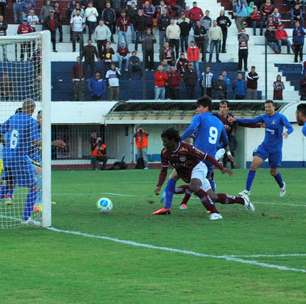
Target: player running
209,132
271,147
20,132
188,163
301,116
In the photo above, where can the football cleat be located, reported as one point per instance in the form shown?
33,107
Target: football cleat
183,206
215,216
247,203
162,211
245,192
282,192
30,222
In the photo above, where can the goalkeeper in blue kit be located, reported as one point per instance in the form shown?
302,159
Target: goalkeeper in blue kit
20,133
271,147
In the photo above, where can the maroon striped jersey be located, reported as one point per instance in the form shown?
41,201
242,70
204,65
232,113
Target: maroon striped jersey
183,160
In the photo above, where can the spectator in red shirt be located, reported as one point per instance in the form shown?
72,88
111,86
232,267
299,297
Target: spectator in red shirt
282,38
195,14
255,19
98,155
160,82
266,10
59,18
25,28
174,81
123,23
193,56
51,24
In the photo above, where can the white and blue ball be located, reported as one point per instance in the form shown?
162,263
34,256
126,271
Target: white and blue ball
104,205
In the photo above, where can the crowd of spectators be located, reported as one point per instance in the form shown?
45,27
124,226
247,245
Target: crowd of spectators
183,37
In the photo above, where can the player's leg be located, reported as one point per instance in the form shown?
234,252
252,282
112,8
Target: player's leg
8,186
198,187
184,189
167,195
258,158
275,160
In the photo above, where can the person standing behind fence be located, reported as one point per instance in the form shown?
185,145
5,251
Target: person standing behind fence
78,80
112,75
77,24
142,143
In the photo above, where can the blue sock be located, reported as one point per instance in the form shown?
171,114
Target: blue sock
278,178
213,185
31,200
250,179
169,191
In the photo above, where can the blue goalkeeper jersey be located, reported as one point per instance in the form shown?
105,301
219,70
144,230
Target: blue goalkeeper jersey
274,128
20,131
304,129
209,133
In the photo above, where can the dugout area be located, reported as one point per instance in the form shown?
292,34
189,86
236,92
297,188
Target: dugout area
119,121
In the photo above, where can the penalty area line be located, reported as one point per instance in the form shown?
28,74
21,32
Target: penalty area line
179,251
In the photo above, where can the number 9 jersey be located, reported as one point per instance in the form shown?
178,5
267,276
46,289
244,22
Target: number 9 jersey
210,133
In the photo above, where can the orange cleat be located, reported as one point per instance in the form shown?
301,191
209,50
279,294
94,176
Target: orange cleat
162,211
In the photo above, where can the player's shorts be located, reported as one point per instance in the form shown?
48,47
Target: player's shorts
21,171
210,170
200,172
274,157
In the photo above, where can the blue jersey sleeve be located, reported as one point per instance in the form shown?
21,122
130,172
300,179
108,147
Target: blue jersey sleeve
255,120
287,124
192,129
304,129
35,134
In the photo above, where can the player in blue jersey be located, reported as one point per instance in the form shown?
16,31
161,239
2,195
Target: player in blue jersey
301,116
208,132
20,133
271,147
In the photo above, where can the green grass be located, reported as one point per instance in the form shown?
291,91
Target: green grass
39,266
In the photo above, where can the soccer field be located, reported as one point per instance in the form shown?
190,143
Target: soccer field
181,258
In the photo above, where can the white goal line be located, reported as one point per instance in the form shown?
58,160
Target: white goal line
227,258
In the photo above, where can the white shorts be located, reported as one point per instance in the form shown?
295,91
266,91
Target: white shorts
200,172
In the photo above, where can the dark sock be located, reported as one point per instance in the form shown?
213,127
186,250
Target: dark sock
206,201
224,198
184,189
278,178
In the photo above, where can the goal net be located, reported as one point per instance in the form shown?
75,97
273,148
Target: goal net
25,144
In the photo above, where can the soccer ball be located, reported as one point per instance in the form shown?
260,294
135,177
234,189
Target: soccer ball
104,205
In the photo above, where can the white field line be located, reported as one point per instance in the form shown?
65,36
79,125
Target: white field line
277,255
179,251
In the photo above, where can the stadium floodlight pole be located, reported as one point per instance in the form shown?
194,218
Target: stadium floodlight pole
266,69
46,126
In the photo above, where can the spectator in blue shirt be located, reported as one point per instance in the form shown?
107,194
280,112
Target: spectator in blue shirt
97,87
298,37
239,87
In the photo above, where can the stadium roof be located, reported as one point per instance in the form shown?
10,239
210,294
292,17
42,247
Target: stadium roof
165,111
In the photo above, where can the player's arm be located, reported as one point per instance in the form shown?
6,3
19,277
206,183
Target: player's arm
246,122
287,125
162,175
304,129
192,128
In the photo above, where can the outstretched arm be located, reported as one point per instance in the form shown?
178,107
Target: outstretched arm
287,124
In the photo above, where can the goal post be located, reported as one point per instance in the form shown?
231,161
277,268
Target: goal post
25,75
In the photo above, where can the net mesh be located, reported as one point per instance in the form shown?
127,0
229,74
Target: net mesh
20,161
